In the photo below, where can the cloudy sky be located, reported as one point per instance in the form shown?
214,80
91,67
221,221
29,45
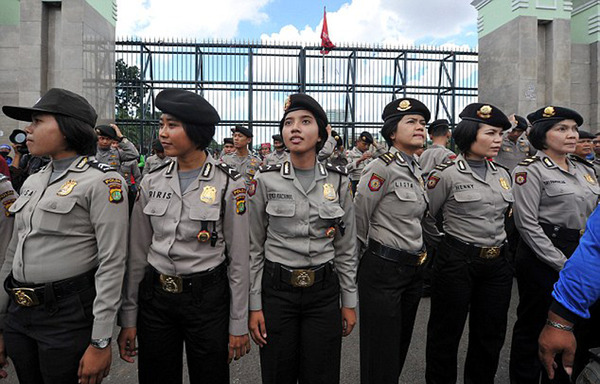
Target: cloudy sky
396,22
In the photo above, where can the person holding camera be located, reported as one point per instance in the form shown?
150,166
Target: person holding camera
24,164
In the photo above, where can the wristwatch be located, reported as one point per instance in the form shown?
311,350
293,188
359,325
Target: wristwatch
101,343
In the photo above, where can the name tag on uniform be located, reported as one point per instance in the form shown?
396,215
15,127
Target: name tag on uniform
279,196
462,187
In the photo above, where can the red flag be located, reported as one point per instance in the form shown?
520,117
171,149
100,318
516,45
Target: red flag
326,44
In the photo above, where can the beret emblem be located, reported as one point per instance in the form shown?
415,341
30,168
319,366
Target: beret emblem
287,104
549,112
404,105
485,112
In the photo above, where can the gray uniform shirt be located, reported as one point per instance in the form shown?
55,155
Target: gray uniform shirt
289,225
391,203
473,208
277,157
164,227
327,149
245,166
596,164
511,153
68,227
115,156
354,167
153,162
7,198
545,193
434,156
129,169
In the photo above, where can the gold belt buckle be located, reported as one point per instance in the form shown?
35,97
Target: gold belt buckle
25,297
171,284
303,278
490,252
422,258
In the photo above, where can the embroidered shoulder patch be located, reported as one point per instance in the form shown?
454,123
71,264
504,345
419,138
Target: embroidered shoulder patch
520,178
375,182
432,181
115,190
252,187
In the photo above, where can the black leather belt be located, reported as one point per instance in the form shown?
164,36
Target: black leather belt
299,277
560,233
397,255
483,252
27,295
186,283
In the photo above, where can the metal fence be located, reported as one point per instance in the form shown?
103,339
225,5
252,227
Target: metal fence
248,83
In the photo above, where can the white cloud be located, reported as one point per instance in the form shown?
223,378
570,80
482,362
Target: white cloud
185,18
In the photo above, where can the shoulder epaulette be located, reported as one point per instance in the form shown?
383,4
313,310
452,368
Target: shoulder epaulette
528,161
100,166
387,158
3,178
230,171
166,164
337,168
582,161
270,168
443,166
500,165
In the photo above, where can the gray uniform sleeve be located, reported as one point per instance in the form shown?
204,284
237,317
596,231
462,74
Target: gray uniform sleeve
140,238
327,149
128,150
236,232
7,197
526,207
437,190
366,200
258,235
346,260
352,159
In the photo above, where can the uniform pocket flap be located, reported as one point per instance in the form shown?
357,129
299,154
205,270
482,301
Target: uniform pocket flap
406,195
19,204
205,212
558,189
330,211
508,196
467,196
156,208
281,208
60,206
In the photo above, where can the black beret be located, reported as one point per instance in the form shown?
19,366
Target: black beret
228,140
366,137
277,138
521,123
438,123
302,101
187,106
486,114
157,146
405,106
56,101
585,135
108,131
243,130
554,114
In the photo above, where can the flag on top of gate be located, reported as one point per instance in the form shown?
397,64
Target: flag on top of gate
326,44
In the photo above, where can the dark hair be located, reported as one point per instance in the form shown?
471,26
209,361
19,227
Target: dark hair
388,128
80,136
201,135
465,134
440,130
537,134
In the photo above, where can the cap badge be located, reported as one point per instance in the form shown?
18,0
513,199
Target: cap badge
485,112
549,112
287,104
404,105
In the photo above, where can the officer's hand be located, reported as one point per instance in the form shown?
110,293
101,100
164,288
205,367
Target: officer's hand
3,359
553,341
328,129
258,331
238,346
126,342
94,365
117,131
348,320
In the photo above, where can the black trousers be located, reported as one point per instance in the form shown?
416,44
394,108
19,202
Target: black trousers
46,344
389,295
304,331
535,280
198,320
465,283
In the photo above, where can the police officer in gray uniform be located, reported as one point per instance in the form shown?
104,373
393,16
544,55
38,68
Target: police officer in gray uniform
244,162
107,153
302,255
157,159
7,197
358,157
554,195
515,146
280,154
65,263
187,273
390,204
471,275
437,153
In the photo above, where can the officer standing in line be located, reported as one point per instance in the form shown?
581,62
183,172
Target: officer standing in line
596,146
358,157
187,277
280,154
515,146
437,153
157,159
244,162
109,154
584,148
471,273
554,195
390,205
64,266
132,175
302,255
7,197
338,157
228,146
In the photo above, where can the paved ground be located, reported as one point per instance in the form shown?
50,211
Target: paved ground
247,370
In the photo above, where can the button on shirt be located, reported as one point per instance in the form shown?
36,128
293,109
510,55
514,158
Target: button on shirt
473,208
545,193
289,226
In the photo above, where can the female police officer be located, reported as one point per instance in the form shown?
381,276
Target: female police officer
471,274
554,195
390,204
302,255
188,253
67,257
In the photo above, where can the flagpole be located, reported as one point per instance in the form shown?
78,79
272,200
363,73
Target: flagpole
322,52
